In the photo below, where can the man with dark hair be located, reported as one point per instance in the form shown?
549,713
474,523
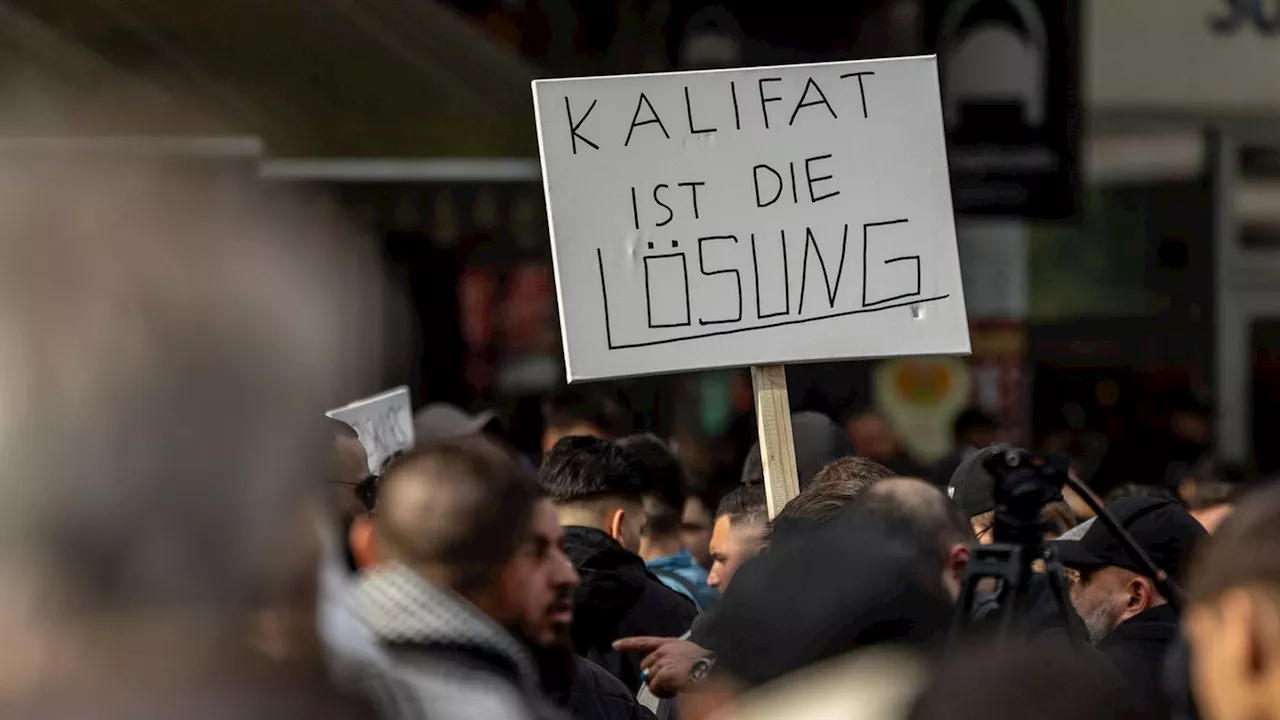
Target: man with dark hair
468,560
599,494
571,413
660,543
1233,621
738,534
830,492
923,512
740,523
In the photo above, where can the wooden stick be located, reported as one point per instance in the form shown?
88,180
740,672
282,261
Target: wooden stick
777,445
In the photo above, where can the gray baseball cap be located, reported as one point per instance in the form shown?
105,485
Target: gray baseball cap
442,421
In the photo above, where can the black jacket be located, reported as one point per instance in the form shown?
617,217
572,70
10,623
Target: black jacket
594,694
1137,648
583,689
619,598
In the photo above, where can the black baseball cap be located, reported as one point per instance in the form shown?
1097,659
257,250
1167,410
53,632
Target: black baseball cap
1164,530
972,486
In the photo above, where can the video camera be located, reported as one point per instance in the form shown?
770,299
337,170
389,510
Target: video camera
1023,483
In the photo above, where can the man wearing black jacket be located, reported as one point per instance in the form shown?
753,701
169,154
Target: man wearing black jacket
599,496
1129,620
582,688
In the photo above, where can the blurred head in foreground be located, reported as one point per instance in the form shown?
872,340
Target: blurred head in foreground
921,511
850,583
1012,682
1233,623
467,516
170,337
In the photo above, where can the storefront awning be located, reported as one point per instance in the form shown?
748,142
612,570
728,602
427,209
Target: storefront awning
313,78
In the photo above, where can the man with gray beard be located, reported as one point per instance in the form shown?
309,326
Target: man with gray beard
1128,618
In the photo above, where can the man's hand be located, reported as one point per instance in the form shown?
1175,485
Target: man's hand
667,663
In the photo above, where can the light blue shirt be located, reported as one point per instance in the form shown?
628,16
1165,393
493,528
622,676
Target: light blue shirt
682,573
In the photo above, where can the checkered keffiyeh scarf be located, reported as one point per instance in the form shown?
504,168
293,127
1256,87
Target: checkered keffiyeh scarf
398,605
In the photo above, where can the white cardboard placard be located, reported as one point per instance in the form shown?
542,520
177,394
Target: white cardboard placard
384,423
748,217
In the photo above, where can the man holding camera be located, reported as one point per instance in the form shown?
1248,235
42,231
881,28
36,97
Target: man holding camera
1128,618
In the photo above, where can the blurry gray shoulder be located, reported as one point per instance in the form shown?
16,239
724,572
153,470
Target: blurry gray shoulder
425,689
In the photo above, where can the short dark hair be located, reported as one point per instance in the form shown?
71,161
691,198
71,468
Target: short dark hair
745,504
1216,482
829,493
571,406
973,418
583,468
857,473
920,511
473,511
1125,490
665,478
1245,550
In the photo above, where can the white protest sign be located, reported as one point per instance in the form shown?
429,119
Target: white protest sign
750,217
384,423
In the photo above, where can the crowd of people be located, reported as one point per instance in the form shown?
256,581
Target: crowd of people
847,601
186,536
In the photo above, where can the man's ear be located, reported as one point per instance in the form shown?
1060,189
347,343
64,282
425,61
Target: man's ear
953,575
1142,596
613,523
360,538
958,559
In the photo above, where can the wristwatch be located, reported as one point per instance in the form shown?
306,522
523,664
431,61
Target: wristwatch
701,667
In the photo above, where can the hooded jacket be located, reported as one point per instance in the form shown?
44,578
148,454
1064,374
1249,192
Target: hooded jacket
619,598
445,657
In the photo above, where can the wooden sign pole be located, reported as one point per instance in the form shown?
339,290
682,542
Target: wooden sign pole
777,445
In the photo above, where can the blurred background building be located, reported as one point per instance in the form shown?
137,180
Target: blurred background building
1116,174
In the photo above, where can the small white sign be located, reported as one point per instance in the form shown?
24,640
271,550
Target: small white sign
384,423
748,217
